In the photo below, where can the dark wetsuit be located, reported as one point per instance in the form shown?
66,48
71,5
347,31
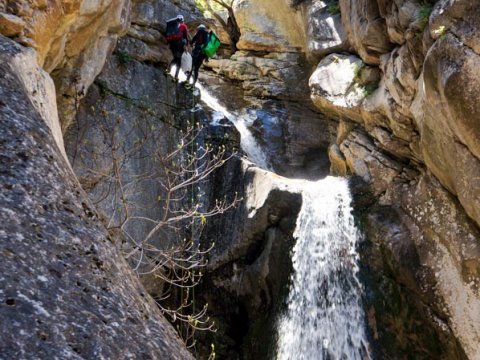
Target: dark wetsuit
177,48
200,40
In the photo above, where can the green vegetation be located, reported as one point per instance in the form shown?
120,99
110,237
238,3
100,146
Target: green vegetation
124,57
369,89
333,9
424,12
441,31
357,72
423,16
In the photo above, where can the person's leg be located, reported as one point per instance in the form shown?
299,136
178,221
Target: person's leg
174,47
197,68
195,59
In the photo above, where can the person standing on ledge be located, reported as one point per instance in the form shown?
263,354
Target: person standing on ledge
198,56
177,38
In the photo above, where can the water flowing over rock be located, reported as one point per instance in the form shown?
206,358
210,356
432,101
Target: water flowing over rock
324,318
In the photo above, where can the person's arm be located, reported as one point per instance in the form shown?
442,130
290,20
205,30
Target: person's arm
186,36
195,38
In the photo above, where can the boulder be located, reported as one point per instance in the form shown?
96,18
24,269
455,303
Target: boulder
338,87
366,29
325,33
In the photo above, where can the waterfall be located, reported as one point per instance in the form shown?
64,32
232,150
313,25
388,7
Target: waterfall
247,141
324,318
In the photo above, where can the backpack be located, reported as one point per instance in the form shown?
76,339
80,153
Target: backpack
212,45
173,31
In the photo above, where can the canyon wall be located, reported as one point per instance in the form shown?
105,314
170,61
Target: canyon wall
66,290
399,81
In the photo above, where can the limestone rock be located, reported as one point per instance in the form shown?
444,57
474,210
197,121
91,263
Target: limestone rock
338,162
269,26
448,245
11,25
400,16
141,51
325,32
448,119
38,85
274,75
265,195
155,13
365,160
250,264
366,29
72,40
400,283
459,18
65,291
146,34
335,86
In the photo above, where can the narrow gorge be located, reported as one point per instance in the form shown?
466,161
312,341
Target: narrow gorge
315,196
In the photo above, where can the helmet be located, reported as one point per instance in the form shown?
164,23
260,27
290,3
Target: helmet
201,26
180,18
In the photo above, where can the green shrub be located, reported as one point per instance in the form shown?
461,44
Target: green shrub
124,57
369,89
333,9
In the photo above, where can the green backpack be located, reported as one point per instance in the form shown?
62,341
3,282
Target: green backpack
212,45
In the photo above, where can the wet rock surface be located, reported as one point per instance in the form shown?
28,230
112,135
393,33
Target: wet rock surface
247,276
65,291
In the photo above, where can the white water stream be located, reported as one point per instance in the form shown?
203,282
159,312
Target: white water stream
324,319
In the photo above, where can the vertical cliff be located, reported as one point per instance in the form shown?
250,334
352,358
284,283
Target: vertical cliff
398,82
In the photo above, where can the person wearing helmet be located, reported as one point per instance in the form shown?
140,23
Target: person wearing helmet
199,41
177,46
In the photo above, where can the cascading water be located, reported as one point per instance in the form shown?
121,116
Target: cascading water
247,141
324,319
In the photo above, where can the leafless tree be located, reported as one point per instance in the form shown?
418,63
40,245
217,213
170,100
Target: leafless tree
171,250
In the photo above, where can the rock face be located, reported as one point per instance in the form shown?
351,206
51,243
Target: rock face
405,98
65,290
413,129
325,32
249,266
72,40
269,26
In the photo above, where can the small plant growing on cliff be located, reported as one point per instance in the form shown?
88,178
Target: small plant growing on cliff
333,9
357,72
124,58
369,89
424,12
423,16
441,31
